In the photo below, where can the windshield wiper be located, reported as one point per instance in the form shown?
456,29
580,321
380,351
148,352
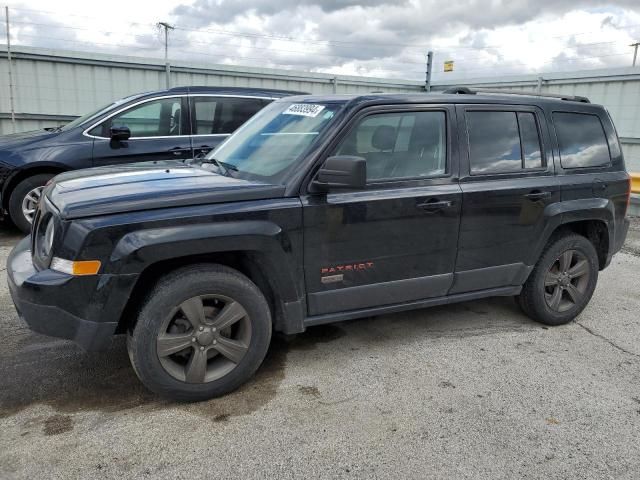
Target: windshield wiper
222,166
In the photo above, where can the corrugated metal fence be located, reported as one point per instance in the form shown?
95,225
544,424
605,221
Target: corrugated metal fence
53,86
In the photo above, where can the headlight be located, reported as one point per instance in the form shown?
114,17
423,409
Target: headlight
47,241
44,239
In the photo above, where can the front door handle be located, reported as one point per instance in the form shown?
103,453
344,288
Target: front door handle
433,205
537,195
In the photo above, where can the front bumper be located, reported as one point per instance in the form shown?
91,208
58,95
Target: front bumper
83,309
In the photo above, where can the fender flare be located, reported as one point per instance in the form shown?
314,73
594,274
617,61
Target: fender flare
140,249
566,212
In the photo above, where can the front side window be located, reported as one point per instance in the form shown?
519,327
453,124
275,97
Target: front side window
271,143
581,139
157,118
399,145
503,142
223,115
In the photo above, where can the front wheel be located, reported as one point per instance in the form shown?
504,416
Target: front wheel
24,199
203,331
562,282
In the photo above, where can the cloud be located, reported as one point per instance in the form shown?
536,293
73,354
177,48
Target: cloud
377,38
203,12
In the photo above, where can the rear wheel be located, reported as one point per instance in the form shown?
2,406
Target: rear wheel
562,282
24,199
203,331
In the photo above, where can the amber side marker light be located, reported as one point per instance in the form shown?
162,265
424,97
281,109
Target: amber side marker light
81,267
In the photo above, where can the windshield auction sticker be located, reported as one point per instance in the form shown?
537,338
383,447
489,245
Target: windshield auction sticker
304,109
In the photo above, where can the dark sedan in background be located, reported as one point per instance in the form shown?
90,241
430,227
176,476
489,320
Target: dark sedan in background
179,123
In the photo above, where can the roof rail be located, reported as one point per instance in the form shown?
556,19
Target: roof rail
468,91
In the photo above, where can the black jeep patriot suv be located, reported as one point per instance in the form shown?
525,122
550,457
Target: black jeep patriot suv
322,209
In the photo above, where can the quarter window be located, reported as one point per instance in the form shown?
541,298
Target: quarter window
157,118
399,145
503,142
581,139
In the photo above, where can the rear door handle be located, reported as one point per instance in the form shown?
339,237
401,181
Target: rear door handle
178,151
538,195
434,205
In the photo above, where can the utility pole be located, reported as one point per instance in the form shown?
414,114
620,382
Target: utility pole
635,52
13,113
167,66
427,84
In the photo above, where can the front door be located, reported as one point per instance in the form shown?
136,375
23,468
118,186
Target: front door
507,180
395,240
159,131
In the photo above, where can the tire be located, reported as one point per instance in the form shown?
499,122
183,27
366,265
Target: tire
167,320
18,195
551,297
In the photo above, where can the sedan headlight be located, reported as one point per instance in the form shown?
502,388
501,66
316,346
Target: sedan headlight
47,241
45,235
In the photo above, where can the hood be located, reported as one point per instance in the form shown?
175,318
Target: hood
149,185
25,139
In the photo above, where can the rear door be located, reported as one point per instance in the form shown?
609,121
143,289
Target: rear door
159,131
395,240
215,117
507,180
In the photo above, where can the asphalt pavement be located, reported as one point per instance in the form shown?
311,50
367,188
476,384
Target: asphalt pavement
474,390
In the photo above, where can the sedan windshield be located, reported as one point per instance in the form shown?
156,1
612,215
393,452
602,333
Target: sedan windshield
272,142
96,113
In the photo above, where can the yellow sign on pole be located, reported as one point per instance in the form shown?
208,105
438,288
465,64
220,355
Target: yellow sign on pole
448,66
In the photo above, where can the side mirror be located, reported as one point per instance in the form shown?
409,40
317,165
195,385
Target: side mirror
342,171
119,132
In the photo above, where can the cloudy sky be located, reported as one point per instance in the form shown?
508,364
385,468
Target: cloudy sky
384,38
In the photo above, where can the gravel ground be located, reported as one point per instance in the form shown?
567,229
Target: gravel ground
474,390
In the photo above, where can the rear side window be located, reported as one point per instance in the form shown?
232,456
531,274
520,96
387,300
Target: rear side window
222,115
582,140
503,142
236,111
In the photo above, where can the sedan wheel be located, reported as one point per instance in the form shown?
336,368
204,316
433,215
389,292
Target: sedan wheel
30,203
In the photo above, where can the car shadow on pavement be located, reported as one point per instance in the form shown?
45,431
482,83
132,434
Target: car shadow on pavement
41,370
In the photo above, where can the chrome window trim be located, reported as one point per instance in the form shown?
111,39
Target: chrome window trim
85,132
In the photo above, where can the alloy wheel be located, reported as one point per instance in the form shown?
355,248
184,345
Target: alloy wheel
30,203
204,338
566,281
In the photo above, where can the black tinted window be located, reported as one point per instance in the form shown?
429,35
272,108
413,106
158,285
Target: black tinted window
581,139
503,142
494,143
399,145
223,114
531,150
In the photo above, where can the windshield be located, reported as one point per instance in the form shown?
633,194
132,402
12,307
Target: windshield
271,143
95,113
